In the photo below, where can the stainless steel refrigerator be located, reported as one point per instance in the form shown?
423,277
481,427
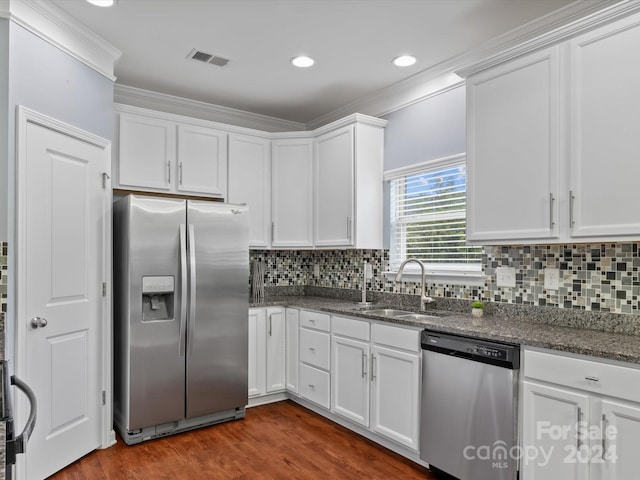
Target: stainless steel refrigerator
181,270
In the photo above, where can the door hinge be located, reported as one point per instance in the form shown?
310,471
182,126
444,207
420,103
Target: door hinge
104,289
105,177
104,397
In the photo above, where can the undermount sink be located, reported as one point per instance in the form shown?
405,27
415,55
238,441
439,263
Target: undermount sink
388,312
416,316
400,314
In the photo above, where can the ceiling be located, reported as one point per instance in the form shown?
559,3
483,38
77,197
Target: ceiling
352,41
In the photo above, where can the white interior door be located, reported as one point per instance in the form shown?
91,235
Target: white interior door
61,267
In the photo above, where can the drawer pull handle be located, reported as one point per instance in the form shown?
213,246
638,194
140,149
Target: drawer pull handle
592,379
312,386
364,365
312,349
578,435
603,432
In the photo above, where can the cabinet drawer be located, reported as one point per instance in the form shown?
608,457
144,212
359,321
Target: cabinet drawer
584,374
319,321
314,385
315,348
397,337
350,327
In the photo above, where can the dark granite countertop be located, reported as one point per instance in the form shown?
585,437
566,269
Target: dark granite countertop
613,346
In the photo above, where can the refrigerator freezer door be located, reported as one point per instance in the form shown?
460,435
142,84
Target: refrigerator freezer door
150,370
217,357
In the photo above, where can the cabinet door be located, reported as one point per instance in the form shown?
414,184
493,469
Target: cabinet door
395,409
275,350
250,183
550,418
292,197
350,380
202,160
334,187
146,152
257,352
621,423
291,349
605,138
513,114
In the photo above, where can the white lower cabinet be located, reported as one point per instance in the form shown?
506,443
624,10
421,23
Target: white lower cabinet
315,358
292,355
581,418
395,395
376,381
314,385
545,407
275,339
350,379
257,352
366,372
623,421
266,351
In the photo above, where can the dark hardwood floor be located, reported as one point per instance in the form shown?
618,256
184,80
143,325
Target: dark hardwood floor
277,441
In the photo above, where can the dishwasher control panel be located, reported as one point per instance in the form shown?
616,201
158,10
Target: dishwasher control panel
491,352
480,350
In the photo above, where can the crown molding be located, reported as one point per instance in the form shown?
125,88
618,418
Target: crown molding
189,119
139,97
350,120
554,32
55,26
355,118
554,27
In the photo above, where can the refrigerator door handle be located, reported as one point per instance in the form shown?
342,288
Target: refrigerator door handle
192,287
183,288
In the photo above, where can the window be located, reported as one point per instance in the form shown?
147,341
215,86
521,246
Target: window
428,218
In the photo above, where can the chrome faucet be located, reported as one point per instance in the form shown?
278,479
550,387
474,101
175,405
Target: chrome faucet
423,298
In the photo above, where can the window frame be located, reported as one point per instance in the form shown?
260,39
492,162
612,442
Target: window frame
454,273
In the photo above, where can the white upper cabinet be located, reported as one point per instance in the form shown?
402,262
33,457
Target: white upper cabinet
320,188
202,160
552,143
292,194
250,183
165,153
605,138
147,152
348,183
334,174
512,150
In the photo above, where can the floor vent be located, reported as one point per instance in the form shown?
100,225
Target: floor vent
210,58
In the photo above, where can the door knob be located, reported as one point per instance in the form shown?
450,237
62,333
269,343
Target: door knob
38,322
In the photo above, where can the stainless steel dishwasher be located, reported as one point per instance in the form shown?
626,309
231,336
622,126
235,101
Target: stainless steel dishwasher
468,426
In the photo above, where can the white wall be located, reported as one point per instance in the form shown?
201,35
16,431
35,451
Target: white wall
427,130
51,82
4,151
430,129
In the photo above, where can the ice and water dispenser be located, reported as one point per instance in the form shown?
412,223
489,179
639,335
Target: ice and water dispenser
157,298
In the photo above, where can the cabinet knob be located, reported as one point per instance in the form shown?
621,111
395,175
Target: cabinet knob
38,322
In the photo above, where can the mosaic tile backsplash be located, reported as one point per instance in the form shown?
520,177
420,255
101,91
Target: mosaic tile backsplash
597,277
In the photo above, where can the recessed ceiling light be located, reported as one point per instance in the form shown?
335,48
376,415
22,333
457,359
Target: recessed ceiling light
302,61
102,3
404,61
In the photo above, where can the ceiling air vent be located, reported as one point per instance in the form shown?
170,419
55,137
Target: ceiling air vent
210,58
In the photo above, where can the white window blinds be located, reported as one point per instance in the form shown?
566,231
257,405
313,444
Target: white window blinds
428,218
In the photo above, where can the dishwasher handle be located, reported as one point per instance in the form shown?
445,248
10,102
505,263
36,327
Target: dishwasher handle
19,444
